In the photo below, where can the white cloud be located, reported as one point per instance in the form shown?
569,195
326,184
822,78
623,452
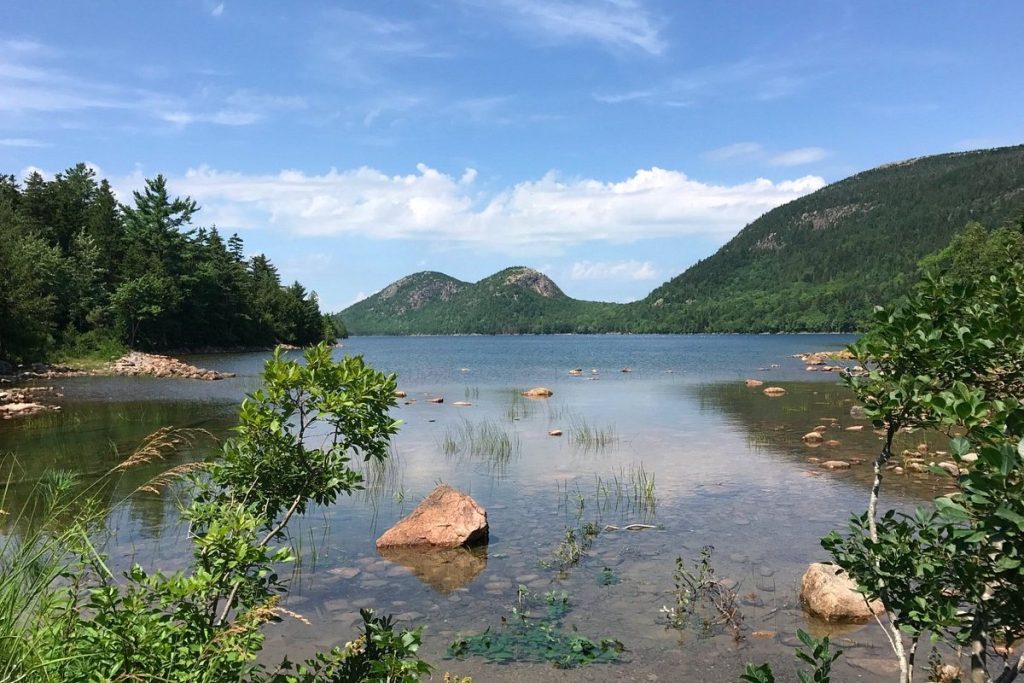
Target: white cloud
616,24
449,209
218,10
738,150
798,157
613,270
23,142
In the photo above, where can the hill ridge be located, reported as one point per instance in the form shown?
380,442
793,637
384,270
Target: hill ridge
817,263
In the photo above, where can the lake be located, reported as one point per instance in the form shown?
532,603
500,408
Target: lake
726,462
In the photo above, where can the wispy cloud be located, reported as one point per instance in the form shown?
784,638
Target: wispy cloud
619,25
33,82
756,152
799,157
445,209
744,80
739,150
217,10
23,142
358,46
613,270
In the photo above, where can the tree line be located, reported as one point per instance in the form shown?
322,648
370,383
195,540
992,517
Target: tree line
82,273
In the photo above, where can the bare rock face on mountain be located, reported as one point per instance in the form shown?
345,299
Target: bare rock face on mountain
445,519
829,593
531,279
413,292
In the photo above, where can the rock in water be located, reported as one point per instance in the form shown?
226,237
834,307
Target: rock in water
812,438
753,382
772,392
445,519
538,392
830,594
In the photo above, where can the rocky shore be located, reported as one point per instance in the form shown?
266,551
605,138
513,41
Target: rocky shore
135,364
21,401
25,401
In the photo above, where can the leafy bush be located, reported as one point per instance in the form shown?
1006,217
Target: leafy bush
206,623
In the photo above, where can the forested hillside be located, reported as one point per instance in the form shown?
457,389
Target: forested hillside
80,271
514,301
821,262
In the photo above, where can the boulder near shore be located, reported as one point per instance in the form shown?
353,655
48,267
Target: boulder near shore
538,392
445,519
829,593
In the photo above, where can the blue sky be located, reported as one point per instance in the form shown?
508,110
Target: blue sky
609,143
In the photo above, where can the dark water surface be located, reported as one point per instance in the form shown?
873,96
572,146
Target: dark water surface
727,463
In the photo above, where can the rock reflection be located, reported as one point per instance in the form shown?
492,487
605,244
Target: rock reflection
442,569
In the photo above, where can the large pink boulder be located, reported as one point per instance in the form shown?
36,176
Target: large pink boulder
445,519
829,593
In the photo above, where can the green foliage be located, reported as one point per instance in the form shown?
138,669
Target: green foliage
817,652
76,262
951,358
524,638
823,261
206,622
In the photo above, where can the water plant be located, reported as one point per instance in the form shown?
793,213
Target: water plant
608,577
524,638
519,407
575,544
628,491
486,439
590,437
703,600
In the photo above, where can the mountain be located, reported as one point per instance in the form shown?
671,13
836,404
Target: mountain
821,262
818,263
515,300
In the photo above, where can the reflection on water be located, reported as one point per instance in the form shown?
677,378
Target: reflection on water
722,464
442,569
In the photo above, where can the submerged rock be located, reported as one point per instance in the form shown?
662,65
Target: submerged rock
836,465
444,570
812,438
555,432
445,519
828,593
774,391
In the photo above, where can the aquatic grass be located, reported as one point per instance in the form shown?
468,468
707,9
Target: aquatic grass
590,437
472,393
629,491
487,440
518,407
